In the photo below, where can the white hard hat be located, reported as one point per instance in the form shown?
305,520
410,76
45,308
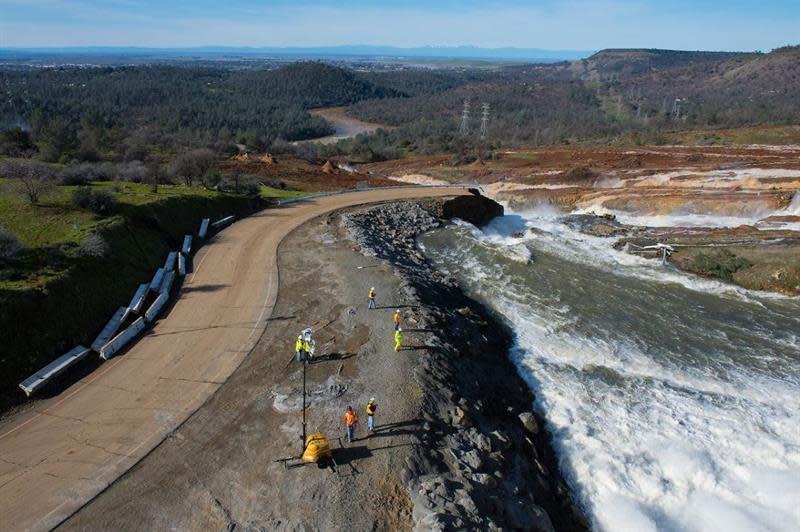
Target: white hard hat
398,310
372,400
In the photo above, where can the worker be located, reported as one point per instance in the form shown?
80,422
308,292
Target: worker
396,319
371,297
309,345
350,419
398,339
371,408
299,348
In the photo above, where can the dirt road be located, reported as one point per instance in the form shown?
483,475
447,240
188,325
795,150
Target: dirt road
61,454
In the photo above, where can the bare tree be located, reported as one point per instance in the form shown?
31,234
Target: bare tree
31,180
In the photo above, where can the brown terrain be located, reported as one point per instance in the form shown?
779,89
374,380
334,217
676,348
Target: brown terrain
291,173
744,185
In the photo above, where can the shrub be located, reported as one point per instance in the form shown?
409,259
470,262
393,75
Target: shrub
9,245
93,245
84,173
132,171
722,264
248,185
98,201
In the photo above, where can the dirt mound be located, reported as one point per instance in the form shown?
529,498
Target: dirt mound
268,158
328,168
630,162
579,173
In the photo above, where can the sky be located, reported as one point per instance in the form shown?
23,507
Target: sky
550,24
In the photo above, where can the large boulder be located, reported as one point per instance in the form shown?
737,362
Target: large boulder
475,209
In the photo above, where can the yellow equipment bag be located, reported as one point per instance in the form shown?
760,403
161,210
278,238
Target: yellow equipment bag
316,447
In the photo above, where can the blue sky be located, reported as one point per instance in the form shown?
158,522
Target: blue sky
552,24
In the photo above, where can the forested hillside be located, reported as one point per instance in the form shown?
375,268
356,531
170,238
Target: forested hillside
127,112
616,94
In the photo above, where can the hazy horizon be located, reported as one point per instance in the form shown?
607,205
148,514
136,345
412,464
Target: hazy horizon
575,25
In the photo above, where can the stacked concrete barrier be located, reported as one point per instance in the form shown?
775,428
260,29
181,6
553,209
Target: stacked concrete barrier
181,264
187,245
169,264
111,328
109,342
157,278
41,377
203,228
223,222
122,339
138,299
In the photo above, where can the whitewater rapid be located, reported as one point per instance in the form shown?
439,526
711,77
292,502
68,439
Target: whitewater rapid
673,401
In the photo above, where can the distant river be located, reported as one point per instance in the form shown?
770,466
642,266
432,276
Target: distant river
674,401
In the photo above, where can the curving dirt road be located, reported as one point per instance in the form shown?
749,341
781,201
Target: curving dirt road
61,454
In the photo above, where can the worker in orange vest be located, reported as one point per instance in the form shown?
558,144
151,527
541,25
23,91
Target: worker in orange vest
397,319
371,296
350,419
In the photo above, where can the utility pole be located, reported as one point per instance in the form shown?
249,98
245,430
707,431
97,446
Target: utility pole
464,128
303,444
484,120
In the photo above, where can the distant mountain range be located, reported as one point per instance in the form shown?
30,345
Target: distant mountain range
367,51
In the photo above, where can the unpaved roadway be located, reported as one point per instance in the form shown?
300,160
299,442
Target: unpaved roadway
59,455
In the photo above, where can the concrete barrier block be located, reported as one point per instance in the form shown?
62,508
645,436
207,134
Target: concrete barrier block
157,278
203,228
137,302
187,245
166,284
122,339
169,265
155,308
181,264
40,378
110,329
223,222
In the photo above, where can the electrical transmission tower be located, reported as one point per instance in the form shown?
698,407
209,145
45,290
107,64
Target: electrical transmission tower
464,128
676,109
484,120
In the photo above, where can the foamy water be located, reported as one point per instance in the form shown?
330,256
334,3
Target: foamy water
674,401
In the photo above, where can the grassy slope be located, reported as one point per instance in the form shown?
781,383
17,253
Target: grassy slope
69,300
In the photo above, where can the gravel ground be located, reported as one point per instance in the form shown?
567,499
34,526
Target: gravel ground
456,443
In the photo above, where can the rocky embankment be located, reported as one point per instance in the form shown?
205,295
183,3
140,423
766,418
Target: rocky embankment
757,259
483,460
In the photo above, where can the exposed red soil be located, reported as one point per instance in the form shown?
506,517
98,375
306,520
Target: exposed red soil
296,174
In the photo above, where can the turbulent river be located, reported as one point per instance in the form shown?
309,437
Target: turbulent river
674,401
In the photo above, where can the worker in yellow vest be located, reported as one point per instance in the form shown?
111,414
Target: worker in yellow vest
371,296
372,407
398,339
299,348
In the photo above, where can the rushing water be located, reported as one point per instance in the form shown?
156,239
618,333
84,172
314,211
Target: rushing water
674,401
